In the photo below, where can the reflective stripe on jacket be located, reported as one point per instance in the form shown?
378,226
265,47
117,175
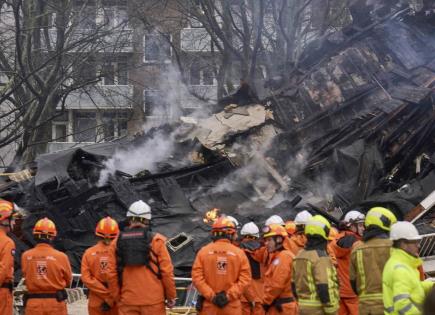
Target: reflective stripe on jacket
403,290
315,281
366,265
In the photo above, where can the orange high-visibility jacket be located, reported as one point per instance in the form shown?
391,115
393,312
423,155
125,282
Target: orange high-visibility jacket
221,266
95,266
7,252
46,269
140,286
277,279
343,264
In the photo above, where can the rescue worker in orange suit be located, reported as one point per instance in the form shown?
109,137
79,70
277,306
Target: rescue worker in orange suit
7,253
95,267
278,296
315,282
143,266
47,272
252,297
352,228
368,259
296,242
221,272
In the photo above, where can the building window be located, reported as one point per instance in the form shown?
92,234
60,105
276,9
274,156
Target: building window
157,48
114,125
201,76
115,16
59,131
154,103
114,73
85,71
85,127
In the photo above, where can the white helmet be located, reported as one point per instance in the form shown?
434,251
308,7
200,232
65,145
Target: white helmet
354,216
234,220
250,229
139,209
274,219
404,230
303,217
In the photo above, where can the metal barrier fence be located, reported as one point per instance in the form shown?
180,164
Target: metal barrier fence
427,245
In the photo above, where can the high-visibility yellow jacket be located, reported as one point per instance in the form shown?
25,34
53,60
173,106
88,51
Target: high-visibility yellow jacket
315,282
403,291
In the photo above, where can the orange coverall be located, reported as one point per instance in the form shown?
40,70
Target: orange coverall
46,270
277,282
221,266
7,252
142,292
94,275
348,298
254,291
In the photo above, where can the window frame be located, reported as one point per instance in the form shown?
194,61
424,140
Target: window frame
54,136
168,60
116,76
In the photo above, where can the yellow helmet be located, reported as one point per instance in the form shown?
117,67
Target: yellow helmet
318,225
380,217
274,230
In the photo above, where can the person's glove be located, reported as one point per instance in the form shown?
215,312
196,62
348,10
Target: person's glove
347,241
266,307
220,299
104,307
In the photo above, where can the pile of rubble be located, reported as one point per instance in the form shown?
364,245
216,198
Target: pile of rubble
352,127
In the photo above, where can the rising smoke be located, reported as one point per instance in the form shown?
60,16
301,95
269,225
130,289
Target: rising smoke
161,144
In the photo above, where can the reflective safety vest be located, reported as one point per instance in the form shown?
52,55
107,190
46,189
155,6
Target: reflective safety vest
404,292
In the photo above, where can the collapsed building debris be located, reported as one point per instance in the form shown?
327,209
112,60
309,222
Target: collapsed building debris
354,128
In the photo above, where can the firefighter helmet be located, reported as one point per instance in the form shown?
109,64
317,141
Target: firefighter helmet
380,217
45,227
234,220
274,219
223,225
6,209
107,228
274,230
250,229
303,217
139,209
319,226
354,217
404,230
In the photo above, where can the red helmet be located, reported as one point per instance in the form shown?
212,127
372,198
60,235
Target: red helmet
6,209
107,228
45,227
223,225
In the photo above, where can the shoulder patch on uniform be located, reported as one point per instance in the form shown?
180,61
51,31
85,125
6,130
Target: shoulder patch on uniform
276,262
13,251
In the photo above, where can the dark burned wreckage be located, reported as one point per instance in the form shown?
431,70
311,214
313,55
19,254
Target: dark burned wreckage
352,127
